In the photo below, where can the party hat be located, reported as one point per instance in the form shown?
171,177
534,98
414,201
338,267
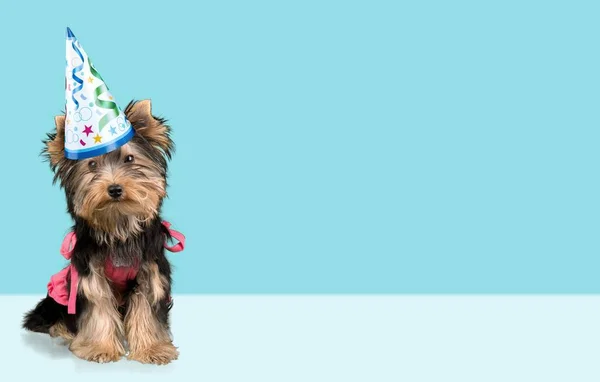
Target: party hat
94,124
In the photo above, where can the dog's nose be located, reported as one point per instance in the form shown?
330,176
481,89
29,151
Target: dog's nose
115,191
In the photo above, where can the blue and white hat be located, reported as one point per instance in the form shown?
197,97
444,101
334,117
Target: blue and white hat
94,124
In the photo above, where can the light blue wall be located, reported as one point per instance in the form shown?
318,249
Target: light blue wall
331,146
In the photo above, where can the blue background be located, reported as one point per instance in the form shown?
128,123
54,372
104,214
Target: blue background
331,146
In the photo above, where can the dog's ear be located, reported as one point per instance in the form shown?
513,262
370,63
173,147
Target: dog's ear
154,129
54,145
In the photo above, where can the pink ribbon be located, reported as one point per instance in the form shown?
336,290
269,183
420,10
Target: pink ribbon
66,249
177,235
68,245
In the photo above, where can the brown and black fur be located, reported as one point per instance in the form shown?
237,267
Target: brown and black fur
127,229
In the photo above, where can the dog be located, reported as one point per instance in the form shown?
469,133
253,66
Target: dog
122,291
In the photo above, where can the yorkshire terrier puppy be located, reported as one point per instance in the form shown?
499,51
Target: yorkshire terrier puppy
123,287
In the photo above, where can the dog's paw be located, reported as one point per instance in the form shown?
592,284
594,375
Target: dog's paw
104,357
95,353
158,354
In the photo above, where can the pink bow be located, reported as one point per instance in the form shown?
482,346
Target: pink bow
177,235
66,249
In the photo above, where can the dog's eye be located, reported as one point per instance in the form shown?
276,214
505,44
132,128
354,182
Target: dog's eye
129,159
92,165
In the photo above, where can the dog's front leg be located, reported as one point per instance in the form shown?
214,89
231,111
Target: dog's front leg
146,326
100,328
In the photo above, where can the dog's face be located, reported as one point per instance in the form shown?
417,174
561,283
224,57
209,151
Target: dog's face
117,192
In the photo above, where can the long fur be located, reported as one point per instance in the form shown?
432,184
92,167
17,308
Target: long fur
126,232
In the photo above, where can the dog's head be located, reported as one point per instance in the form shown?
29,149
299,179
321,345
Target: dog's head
117,192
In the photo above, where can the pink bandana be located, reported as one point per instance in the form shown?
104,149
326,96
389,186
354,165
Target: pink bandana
57,287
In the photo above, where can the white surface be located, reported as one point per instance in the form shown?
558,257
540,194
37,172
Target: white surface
344,338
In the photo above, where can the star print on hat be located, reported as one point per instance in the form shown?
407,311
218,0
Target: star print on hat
94,124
